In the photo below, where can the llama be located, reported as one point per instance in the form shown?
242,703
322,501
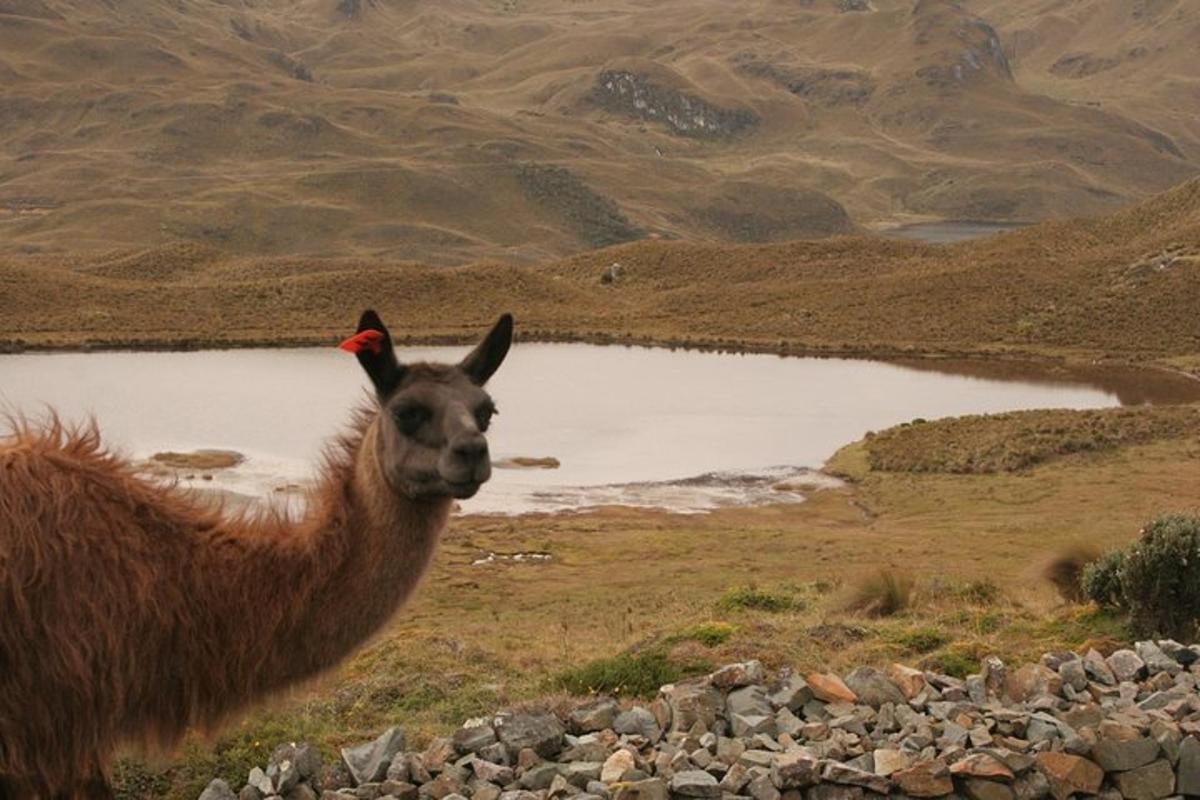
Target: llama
129,612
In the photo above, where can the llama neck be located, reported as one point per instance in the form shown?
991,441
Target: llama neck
326,585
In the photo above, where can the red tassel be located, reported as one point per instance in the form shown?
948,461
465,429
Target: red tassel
364,340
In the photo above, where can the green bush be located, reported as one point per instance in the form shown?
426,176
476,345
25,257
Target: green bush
634,674
1101,580
1160,578
749,597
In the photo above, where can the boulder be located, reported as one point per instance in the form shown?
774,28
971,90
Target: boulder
925,779
594,716
218,790
829,688
1150,782
1115,755
638,721
1126,665
872,687
1068,774
695,783
794,769
691,702
369,762
543,733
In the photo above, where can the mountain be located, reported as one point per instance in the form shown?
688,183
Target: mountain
521,130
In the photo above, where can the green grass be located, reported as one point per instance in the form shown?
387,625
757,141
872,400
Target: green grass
709,634
633,674
923,640
750,598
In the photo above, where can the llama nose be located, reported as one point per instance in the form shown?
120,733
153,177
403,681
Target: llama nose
471,449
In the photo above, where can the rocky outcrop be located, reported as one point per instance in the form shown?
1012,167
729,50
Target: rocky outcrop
635,95
1122,726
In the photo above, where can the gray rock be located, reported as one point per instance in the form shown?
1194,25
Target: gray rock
259,780
1126,665
834,791
1097,669
582,773
649,789
1074,674
732,676
1189,766
542,733
873,687
218,790
301,792
792,693
403,790
594,716
691,702
474,735
1031,786
1121,756
752,724
248,792
492,773
369,762
695,783
1151,782
638,721
1155,659
539,776
761,788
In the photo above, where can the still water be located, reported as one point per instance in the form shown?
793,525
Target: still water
637,426
950,232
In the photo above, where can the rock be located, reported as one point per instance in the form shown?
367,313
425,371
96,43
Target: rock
834,791
369,762
792,693
794,769
735,779
695,783
474,735
981,765
925,779
995,676
305,757
649,789
761,788
301,792
617,765
403,790
581,773
1031,786
218,790
439,751
1068,775
1115,755
980,789
594,716
1074,674
492,773
1189,766
1031,681
259,780
691,702
1156,660
835,772
874,688
1097,669
1150,782
1126,665
539,776
830,688
911,682
888,761
543,733
640,722
248,792
734,675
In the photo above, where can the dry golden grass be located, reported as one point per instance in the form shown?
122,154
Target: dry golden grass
1059,289
449,132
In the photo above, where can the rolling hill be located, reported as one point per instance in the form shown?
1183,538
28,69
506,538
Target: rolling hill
524,130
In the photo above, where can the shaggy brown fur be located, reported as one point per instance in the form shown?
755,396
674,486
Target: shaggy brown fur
128,612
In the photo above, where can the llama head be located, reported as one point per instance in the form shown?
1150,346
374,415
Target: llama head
432,417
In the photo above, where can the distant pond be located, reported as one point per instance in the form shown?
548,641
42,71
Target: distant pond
682,430
948,232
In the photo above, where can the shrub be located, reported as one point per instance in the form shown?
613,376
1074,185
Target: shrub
1065,571
923,640
1160,578
709,634
1101,580
882,594
749,597
635,674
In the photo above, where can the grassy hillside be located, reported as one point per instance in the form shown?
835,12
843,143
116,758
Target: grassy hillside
524,130
1124,286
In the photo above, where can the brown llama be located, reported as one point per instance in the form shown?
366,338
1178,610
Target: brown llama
130,613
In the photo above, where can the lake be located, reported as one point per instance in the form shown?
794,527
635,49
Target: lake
949,231
683,430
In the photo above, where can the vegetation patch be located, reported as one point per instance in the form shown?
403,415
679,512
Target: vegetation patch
923,640
709,634
755,599
882,594
1019,440
630,673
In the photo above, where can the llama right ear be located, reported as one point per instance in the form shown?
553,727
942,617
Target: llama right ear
372,345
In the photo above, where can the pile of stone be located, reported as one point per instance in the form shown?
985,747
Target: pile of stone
1122,726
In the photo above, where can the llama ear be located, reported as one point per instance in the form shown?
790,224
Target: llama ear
372,345
487,356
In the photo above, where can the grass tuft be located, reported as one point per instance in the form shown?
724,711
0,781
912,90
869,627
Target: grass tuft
709,634
923,640
882,594
633,674
749,598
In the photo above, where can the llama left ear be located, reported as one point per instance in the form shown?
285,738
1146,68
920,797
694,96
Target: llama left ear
487,356
372,345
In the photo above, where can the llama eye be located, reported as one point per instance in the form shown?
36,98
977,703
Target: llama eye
483,417
411,418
